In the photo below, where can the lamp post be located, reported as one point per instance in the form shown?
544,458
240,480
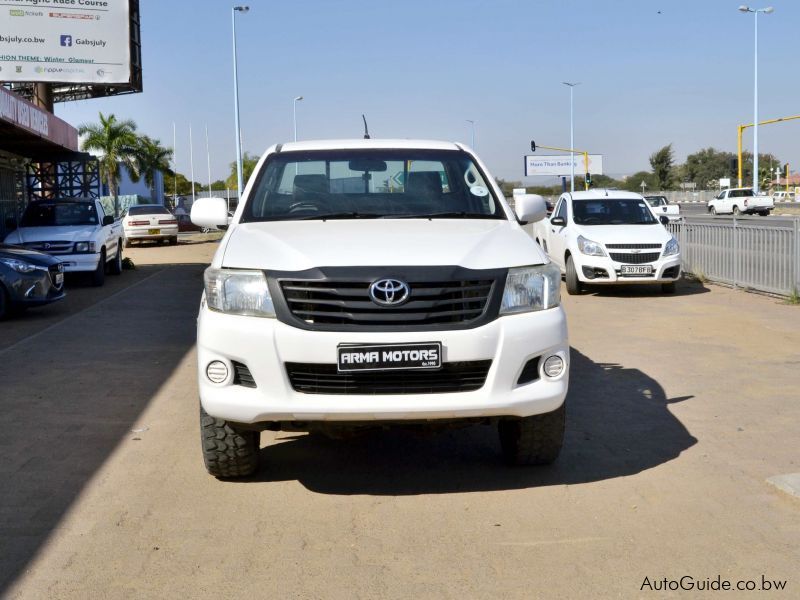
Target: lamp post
294,115
755,11
239,176
571,87
472,123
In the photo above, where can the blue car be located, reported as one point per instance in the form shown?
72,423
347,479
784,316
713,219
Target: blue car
28,278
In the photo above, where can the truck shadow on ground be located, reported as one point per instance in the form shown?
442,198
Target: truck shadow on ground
618,424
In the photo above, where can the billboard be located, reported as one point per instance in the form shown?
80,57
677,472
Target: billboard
558,165
74,41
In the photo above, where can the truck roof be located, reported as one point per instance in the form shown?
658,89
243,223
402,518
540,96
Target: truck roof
358,144
602,193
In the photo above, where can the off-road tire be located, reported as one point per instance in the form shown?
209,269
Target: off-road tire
227,452
574,285
115,268
736,211
173,241
713,212
4,303
535,440
99,274
668,288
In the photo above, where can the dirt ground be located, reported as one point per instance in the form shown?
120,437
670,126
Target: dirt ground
680,408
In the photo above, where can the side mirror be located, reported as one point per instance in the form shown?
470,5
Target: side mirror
108,220
11,224
529,208
664,219
210,212
558,221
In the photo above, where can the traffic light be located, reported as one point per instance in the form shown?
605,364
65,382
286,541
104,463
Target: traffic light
588,179
533,146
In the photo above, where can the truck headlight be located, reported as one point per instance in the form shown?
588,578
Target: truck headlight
238,292
20,266
531,288
589,247
672,247
84,247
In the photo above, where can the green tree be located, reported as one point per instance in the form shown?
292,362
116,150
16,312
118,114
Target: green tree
634,182
249,162
117,142
184,186
151,157
662,162
707,166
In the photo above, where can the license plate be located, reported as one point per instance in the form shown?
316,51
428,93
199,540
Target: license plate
636,270
59,278
153,231
389,357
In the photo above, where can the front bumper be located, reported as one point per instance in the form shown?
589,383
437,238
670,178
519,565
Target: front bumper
33,289
79,263
264,345
665,270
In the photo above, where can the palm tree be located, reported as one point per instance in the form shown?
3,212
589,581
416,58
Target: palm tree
151,157
117,141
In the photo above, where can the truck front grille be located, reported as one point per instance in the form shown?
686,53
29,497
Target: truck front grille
440,298
635,259
312,378
55,247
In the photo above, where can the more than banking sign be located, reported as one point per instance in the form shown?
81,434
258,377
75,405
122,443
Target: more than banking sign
71,41
558,165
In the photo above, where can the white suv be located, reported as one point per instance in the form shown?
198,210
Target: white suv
609,237
373,282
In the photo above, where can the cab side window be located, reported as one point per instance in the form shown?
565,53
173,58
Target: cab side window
561,211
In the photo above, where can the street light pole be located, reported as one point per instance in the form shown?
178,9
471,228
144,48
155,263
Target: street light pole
472,123
239,175
571,137
755,11
294,113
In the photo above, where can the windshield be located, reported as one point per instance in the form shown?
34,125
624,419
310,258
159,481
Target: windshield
353,184
51,214
148,210
612,211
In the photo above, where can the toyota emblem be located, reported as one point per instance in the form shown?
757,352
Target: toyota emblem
389,292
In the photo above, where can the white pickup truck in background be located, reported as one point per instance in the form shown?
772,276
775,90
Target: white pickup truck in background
740,201
76,231
661,206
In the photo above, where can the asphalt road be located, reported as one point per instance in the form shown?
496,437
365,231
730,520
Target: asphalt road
680,407
699,213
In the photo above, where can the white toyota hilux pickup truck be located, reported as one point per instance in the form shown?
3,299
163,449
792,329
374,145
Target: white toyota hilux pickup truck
609,237
739,201
365,283
76,231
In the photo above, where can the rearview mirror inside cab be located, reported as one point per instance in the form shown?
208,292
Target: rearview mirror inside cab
529,208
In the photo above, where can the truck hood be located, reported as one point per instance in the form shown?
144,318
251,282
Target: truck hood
24,235
625,234
300,245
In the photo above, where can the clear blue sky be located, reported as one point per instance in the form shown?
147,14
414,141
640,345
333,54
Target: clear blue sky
420,68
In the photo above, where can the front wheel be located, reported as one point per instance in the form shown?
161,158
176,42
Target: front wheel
535,440
99,274
713,211
4,302
574,286
227,451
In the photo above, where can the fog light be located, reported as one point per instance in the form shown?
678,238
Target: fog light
217,371
553,366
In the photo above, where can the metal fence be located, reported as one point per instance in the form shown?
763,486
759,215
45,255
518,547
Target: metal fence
758,257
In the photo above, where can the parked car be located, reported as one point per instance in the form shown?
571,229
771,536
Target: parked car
783,196
144,222
661,206
28,278
739,201
339,298
76,231
609,237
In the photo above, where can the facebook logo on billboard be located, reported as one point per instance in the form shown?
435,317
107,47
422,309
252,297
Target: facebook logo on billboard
66,40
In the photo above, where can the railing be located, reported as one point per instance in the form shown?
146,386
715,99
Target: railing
757,257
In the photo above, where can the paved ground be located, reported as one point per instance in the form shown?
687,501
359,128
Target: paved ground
680,408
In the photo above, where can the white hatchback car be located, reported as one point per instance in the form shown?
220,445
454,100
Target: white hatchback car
609,237
143,222
369,282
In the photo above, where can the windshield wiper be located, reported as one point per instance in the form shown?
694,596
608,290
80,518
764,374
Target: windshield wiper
340,215
443,215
